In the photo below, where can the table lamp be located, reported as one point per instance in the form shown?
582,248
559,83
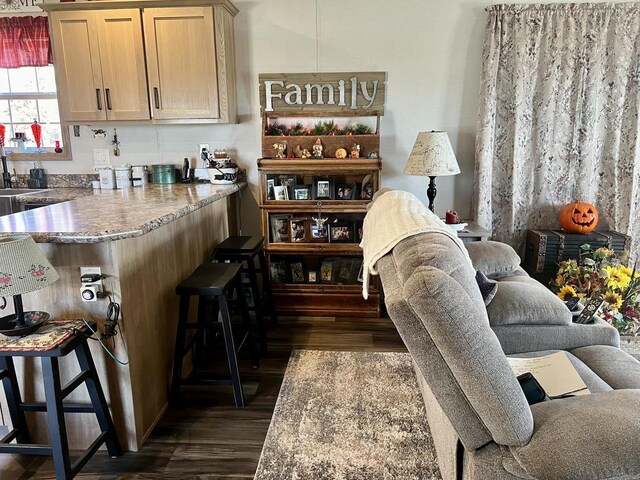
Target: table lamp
23,269
432,156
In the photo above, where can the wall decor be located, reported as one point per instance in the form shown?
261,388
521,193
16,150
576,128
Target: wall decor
20,6
359,91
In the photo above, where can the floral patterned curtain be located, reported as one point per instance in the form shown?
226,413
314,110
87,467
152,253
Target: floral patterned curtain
24,42
558,119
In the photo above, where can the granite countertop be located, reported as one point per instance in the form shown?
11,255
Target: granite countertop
56,195
97,216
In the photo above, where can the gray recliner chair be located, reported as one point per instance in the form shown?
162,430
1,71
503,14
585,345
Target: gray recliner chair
482,425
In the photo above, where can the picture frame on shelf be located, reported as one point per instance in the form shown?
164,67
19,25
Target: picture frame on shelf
280,232
323,188
297,272
298,230
312,276
278,270
360,278
271,185
302,192
341,232
326,271
281,192
346,192
366,193
319,233
288,181
358,228
345,271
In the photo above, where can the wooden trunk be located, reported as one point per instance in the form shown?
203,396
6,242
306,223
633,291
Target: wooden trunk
545,249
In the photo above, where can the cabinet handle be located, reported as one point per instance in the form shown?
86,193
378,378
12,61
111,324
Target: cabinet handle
156,98
108,95
98,99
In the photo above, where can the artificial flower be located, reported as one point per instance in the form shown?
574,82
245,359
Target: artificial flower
567,291
613,299
616,278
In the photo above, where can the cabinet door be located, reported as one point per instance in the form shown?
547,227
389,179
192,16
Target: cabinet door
122,61
77,65
181,62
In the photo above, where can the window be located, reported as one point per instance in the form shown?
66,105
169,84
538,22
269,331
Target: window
28,94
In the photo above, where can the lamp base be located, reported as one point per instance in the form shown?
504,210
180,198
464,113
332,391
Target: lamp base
431,192
10,326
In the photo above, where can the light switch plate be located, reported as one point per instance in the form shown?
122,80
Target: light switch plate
101,156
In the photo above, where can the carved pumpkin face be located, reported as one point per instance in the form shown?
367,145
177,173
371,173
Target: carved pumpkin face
578,217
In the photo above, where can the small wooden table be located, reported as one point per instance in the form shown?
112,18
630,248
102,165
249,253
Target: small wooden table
473,233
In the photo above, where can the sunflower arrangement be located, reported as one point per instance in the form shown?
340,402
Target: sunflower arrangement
603,274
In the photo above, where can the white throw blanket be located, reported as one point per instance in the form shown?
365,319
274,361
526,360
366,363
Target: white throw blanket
392,217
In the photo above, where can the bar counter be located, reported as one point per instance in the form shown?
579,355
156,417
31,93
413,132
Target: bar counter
146,240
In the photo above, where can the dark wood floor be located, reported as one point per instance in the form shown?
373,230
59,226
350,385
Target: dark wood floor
207,438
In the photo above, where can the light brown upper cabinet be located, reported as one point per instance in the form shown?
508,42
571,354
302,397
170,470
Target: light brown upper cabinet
99,62
159,61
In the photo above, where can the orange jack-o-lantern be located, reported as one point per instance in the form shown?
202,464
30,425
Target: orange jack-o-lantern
579,217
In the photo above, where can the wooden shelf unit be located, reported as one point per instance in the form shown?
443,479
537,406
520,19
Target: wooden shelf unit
319,299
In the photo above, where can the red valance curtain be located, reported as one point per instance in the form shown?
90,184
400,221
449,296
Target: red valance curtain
24,42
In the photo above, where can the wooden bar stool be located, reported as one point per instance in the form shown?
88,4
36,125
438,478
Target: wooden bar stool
212,283
244,250
53,341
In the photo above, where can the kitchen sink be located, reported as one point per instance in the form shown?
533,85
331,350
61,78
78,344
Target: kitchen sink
8,204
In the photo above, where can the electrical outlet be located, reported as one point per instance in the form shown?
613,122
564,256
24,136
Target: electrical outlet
202,146
101,156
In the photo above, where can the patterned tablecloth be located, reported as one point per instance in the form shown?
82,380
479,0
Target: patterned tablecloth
48,337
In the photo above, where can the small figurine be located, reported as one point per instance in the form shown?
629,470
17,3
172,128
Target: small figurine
305,153
355,151
280,149
341,153
317,149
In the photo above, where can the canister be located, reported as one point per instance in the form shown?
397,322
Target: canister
123,176
107,179
164,173
139,175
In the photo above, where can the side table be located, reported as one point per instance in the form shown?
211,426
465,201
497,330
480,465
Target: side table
473,233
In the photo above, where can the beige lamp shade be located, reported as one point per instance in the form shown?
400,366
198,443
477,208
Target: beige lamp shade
432,156
23,266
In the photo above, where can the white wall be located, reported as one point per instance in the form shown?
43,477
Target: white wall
430,49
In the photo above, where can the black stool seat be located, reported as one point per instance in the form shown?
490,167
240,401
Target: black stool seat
214,284
209,279
53,341
244,250
240,244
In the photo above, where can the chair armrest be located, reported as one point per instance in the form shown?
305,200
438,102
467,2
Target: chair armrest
590,437
535,338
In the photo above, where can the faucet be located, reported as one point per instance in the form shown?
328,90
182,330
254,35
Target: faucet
6,176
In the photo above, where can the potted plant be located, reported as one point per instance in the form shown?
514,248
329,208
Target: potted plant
603,274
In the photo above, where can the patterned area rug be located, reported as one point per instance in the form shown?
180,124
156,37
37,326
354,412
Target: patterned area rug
348,415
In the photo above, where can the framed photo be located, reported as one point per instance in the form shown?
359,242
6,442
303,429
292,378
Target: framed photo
278,271
358,228
319,234
326,271
346,192
341,233
323,188
281,192
367,192
361,273
302,192
298,230
297,272
279,228
288,181
343,271
271,185
312,276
